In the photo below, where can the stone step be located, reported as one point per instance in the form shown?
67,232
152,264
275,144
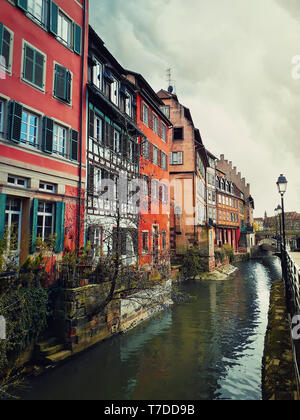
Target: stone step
48,351
58,357
51,342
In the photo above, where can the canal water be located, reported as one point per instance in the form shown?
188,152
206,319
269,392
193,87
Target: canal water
208,348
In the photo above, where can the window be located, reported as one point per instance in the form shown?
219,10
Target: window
18,181
166,110
45,219
38,9
59,140
163,161
154,189
163,132
164,240
176,158
178,133
62,83
146,115
145,242
2,109
30,129
164,197
64,30
117,141
145,149
45,186
6,39
33,66
98,75
155,124
98,127
128,104
155,155
114,93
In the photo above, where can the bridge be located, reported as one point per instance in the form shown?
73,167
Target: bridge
268,245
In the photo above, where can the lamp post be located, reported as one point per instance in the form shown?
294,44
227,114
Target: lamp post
278,211
282,187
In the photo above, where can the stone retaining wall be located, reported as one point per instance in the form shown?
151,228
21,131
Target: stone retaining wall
278,372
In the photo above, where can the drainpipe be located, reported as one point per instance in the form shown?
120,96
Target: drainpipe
81,125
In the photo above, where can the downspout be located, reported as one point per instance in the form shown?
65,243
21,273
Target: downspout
81,124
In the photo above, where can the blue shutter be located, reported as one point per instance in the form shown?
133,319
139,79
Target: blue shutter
34,218
77,38
1,37
60,226
15,122
22,4
2,214
53,18
47,143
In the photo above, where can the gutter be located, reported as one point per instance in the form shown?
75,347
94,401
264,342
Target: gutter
81,127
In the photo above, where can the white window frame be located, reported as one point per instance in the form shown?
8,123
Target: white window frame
62,20
164,161
42,89
7,67
117,141
57,137
98,123
42,20
115,91
98,71
16,180
128,104
44,214
27,141
155,155
43,186
145,114
175,161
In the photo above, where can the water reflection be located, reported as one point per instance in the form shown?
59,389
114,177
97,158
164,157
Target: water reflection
208,348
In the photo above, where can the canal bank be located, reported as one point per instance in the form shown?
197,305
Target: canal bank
207,348
279,376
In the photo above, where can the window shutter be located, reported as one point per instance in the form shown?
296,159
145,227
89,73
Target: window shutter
91,123
68,86
74,145
1,37
60,209
77,39
2,214
34,217
47,143
180,160
15,121
53,18
23,4
150,119
60,82
142,111
171,158
90,180
151,152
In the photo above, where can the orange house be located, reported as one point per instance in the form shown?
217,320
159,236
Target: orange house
154,226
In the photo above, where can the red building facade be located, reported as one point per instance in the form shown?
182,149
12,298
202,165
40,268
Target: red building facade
43,49
154,226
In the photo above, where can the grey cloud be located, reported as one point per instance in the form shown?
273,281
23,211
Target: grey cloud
232,67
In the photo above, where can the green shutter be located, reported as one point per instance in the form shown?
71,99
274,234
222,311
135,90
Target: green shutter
2,214
22,4
77,39
15,122
60,226
53,18
47,143
34,219
1,37
74,145
68,80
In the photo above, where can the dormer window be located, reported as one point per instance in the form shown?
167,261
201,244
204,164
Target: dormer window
128,104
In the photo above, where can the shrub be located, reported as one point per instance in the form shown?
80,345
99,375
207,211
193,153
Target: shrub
192,264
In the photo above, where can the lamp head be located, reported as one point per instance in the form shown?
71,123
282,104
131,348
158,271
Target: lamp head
282,184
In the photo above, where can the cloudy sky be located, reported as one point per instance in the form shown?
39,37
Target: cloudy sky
232,66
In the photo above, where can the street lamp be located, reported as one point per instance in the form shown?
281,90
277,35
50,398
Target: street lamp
278,211
282,187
